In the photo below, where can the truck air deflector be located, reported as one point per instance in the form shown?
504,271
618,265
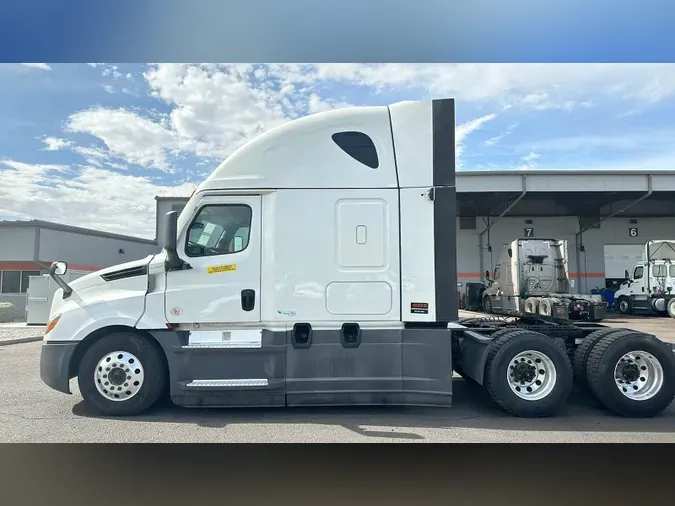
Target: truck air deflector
445,210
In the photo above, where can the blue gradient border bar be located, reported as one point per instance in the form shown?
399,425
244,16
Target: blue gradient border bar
337,31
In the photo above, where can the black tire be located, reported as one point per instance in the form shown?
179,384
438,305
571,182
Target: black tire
487,305
458,369
671,308
584,350
624,305
154,369
600,373
502,350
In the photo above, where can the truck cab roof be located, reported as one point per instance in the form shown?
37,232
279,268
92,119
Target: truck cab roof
360,147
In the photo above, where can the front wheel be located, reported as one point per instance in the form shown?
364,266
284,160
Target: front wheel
625,306
487,305
122,375
528,374
632,374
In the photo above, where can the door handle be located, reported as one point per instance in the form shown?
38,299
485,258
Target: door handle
248,299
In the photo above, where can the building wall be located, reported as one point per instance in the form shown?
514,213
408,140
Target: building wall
90,250
17,244
587,268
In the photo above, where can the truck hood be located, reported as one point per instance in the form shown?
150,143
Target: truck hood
115,271
99,286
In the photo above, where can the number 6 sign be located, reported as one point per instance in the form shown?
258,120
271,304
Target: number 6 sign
633,231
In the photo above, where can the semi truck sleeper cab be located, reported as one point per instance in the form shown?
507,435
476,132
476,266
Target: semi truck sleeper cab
316,266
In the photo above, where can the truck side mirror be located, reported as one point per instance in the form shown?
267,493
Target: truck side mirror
58,268
487,275
173,261
626,275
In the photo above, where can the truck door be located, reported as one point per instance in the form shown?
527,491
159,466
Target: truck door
637,288
222,245
498,294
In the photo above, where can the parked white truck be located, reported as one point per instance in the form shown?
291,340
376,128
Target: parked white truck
652,284
316,266
532,277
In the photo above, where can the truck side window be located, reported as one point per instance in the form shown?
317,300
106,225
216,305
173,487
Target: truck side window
660,271
496,274
219,230
638,272
359,146
671,270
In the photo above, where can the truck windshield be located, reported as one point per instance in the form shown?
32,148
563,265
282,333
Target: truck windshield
638,272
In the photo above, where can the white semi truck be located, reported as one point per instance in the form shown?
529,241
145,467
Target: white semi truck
532,277
651,287
316,266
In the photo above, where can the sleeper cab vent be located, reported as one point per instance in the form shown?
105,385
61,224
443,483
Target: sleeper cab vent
131,272
359,146
467,223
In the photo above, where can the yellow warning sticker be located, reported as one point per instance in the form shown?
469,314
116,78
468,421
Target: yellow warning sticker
221,268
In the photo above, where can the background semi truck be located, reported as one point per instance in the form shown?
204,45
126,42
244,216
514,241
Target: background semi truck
532,277
316,266
651,285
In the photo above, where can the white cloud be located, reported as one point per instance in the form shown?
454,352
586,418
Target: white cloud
108,88
529,161
463,130
55,144
40,66
540,86
90,197
127,135
498,138
645,140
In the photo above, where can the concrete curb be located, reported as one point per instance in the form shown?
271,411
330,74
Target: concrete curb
7,342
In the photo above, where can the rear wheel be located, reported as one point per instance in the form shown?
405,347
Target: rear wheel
122,375
632,374
624,305
584,350
457,367
528,374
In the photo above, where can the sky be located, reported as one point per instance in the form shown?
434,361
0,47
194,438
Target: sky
91,145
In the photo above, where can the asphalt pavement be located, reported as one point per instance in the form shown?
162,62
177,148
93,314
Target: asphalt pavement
31,412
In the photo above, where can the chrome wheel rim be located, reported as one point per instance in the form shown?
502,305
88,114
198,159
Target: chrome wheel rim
119,376
531,375
623,306
638,375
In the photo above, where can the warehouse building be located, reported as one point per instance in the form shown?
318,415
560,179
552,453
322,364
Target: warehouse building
27,248
605,217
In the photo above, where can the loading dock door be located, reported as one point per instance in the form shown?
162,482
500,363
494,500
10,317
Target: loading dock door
620,258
